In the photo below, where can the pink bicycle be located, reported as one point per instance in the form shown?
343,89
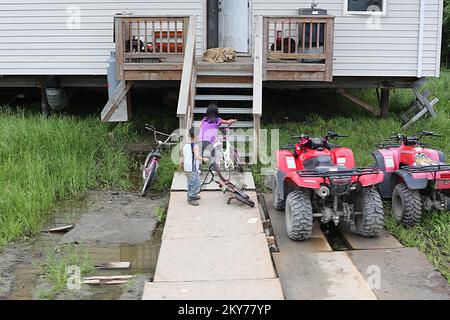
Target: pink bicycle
151,163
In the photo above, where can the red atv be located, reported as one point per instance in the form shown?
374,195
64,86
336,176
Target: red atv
318,180
415,177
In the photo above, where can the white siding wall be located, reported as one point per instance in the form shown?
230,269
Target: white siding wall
34,38
391,50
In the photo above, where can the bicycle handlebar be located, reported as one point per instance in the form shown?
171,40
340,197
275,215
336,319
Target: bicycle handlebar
156,132
228,126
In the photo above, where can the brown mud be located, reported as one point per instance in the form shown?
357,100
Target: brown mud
109,227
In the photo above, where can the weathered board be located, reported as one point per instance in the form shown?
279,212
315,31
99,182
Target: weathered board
259,289
404,274
212,218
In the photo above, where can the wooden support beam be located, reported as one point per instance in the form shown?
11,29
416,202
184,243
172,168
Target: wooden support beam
258,68
114,265
119,95
420,114
384,103
44,103
186,98
358,101
296,67
129,104
424,101
256,139
62,229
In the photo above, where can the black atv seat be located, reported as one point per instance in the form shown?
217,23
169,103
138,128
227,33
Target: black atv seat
320,161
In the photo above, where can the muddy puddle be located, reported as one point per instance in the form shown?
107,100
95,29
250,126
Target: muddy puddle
109,227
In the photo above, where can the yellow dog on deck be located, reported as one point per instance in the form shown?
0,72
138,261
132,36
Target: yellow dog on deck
219,55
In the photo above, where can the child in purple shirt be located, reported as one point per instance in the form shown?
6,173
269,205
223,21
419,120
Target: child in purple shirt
209,127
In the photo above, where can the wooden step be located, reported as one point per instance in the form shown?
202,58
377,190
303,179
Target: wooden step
222,79
198,110
225,85
239,124
225,67
223,97
225,73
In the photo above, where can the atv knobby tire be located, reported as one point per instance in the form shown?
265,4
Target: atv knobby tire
277,201
299,215
406,205
371,222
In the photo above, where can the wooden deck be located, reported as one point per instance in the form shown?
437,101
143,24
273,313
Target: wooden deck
291,48
286,48
170,68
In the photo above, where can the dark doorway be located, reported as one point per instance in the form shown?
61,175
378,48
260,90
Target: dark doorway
212,23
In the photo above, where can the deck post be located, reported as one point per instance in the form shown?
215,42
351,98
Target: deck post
44,103
186,98
256,139
259,59
121,95
384,103
129,104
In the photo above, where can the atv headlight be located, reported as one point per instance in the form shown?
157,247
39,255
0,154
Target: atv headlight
341,181
340,185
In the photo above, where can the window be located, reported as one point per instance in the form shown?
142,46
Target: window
368,7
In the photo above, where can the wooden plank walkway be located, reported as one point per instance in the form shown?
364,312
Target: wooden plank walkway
213,251
311,270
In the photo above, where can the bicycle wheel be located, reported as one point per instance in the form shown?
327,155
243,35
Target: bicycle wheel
237,161
149,174
244,200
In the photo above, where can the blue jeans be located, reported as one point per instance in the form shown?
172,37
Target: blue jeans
193,184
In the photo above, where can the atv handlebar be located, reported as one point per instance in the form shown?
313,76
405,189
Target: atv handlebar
306,141
329,135
288,147
414,139
429,134
332,135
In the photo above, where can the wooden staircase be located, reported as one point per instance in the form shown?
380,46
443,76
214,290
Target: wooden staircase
230,87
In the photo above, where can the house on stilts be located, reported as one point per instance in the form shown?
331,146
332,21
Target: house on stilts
341,44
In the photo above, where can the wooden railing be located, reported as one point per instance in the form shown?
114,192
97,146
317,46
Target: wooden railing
186,99
258,66
258,74
304,39
146,39
299,37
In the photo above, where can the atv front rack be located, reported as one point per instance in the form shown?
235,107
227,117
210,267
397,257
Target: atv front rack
340,181
335,174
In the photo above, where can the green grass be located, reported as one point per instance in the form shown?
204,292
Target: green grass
46,159
56,266
432,235
164,176
161,213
